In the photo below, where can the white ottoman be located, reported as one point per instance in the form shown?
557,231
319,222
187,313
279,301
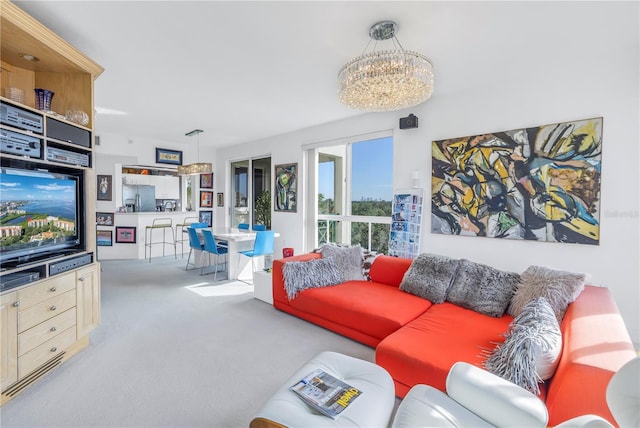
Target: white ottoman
373,408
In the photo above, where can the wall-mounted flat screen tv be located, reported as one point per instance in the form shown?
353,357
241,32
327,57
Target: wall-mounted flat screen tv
41,212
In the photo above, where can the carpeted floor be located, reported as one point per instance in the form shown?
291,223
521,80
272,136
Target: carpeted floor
174,349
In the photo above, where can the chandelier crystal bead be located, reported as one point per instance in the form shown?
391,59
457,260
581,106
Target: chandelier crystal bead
385,80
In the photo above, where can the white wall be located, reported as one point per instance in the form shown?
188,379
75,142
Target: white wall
605,84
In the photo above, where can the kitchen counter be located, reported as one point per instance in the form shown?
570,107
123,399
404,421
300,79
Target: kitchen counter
139,221
156,213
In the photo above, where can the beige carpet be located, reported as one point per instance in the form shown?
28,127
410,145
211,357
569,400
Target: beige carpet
174,349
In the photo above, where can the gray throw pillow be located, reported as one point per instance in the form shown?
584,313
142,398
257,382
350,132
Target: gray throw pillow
348,259
559,288
531,351
314,273
482,288
429,277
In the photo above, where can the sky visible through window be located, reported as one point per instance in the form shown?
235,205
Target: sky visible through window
372,170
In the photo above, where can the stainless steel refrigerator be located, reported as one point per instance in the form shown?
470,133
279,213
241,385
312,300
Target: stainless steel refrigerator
141,197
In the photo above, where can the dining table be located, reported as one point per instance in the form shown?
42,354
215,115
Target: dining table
238,266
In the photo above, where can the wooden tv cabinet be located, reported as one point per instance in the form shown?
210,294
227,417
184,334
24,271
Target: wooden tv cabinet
46,320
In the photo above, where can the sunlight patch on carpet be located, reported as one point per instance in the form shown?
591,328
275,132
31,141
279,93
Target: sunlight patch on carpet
217,289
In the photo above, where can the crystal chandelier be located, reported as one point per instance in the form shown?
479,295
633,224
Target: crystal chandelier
385,80
198,167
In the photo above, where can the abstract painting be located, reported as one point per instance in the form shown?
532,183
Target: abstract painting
540,183
286,187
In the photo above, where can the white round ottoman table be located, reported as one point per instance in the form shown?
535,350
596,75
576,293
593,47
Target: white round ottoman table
373,408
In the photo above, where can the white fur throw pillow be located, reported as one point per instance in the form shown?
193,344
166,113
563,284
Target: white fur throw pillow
314,273
531,351
430,276
348,259
559,288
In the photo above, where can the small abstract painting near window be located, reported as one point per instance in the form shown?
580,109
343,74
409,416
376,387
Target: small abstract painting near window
286,187
540,183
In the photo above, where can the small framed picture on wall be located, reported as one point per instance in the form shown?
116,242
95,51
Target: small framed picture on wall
206,199
104,238
206,181
104,219
125,235
206,217
104,187
220,197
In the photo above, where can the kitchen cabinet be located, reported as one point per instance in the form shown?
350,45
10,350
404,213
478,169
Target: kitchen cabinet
167,187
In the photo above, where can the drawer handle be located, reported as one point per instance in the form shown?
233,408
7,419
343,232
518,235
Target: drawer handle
54,349
81,278
16,304
52,289
53,308
53,329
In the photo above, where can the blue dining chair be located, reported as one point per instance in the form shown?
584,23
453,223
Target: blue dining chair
262,246
243,226
259,227
194,241
211,247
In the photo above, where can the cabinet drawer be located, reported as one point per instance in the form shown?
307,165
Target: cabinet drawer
46,289
36,314
41,354
42,332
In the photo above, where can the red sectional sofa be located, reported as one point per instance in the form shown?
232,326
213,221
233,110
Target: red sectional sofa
417,342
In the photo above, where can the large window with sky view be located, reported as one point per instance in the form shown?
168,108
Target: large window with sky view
355,190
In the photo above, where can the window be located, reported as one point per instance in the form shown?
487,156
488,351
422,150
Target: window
354,192
255,206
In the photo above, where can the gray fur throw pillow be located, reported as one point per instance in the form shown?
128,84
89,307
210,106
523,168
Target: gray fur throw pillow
348,259
531,351
482,288
314,273
430,276
559,288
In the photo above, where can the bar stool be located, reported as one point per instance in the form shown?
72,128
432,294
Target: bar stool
181,231
157,224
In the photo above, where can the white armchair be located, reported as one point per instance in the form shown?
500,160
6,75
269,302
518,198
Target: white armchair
474,398
478,398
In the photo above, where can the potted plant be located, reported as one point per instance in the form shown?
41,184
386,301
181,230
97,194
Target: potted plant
263,209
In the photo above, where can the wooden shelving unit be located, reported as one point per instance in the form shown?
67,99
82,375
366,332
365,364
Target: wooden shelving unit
48,320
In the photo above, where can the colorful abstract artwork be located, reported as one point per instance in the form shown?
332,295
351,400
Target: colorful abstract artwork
286,187
540,183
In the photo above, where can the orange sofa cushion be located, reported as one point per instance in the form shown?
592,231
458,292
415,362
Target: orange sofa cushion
374,309
424,350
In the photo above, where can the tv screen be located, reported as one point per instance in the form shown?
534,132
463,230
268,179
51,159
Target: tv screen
40,213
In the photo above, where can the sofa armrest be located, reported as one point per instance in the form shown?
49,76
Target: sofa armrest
596,345
279,292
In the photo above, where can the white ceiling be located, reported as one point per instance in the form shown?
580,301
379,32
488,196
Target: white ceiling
242,71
